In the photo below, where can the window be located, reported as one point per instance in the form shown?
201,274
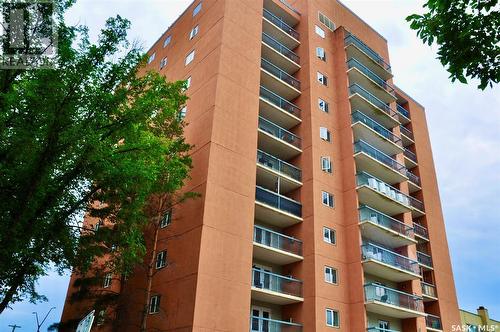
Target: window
163,62
384,325
327,199
326,21
167,41
107,280
182,113
330,275
189,58
194,32
326,164
320,53
332,318
320,32
154,304
329,235
161,259
188,82
100,317
166,220
151,58
322,79
197,9
324,134
323,105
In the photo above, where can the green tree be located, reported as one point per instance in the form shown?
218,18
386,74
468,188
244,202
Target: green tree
467,33
96,128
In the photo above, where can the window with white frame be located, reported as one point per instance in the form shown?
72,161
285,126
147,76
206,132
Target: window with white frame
326,164
326,21
154,304
324,134
329,235
332,318
197,9
107,280
320,53
327,199
163,62
167,41
161,259
151,58
323,105
182,113
188,82
330,275
322,79
166,220
194,32
320,32
189,58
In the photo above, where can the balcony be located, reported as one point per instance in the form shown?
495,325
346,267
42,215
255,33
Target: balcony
383,229
433,323
381,196
276,209
413,182
428,292
259,324
406,136
278,110
417,207
365,102
355,48
271,170
368,130
279,81
420,232
424,260
410,158
282,31
404,114
277,141
379,329
360,74
279,54
379,164
274,288
393,303
381,262
274,247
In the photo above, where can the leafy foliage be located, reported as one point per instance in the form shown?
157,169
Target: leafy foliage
467,33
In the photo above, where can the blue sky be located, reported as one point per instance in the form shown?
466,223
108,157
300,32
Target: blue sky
464,125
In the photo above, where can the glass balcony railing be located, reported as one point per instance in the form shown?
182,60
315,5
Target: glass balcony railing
416,203
281,24
351,39
357,116
434,322
356,88
406,132
368,214
280,133
379,293
366,179
420,231
282,75
280,48
279,165
428,289
353,63
403,111
379,329
413,178
278,201
277,240
382,255
410,155
276,283
424,259
362,146
280,102
259,324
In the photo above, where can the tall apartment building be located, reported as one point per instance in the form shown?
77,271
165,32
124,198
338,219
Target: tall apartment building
319,203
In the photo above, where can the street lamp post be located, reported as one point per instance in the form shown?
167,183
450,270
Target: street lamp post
38,325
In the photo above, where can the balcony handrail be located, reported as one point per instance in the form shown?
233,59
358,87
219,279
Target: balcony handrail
296,172
295,140
412,264
291,238
354,63
403,111
418,204
358,116
433,321
356,88
279,22
379,329
408,230
410,155
416,297
279,73
412,177
368,176
279,195
280,48
420,230
276,321
350,38
281,103
407,132
362,146
427,284
424,259
277,275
